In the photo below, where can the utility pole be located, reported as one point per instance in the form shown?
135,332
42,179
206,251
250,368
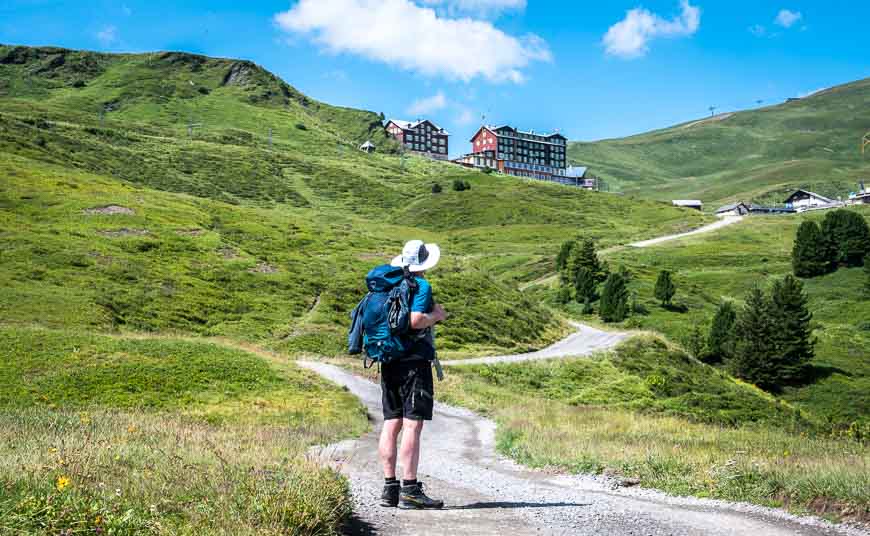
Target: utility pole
712,111
270,138
759,102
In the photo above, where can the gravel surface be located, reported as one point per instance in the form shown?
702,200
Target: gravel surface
585,341
723,222
488,494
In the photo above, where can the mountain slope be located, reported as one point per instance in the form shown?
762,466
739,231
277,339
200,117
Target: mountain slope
752,155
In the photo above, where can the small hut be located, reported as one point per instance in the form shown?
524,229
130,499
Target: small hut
367,147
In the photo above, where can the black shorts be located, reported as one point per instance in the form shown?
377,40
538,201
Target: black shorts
407,390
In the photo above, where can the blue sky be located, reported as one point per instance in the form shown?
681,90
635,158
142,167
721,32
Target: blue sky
590,69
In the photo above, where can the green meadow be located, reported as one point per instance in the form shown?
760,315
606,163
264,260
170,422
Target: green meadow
757,155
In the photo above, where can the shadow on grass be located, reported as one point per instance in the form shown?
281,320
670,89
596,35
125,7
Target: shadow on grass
509,504
817,373
676,308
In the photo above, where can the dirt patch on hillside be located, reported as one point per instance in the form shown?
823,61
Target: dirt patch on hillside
229,253
263,268
124,232
109,210
714,119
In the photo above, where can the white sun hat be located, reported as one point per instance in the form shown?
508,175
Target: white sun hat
417,256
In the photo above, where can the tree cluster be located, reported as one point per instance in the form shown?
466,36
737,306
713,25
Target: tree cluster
843,239
769,341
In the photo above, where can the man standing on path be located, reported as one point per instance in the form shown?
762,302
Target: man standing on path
407,387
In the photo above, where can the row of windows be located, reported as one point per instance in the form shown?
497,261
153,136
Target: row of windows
418,137
422,147
506,145
533,137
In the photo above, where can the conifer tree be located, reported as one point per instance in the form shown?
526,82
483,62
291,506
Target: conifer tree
588,258
614,299
755,348
665,288
849,236
564,253
811,254
584,285
720,342
793,335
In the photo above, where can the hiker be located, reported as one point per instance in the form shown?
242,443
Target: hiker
407,389
393,324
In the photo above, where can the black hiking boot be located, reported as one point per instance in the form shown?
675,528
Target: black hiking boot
413,498
390,496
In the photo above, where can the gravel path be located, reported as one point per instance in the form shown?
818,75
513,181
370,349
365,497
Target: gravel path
486,494
723,222
585,341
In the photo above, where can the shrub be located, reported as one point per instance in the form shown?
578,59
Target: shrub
849,236
614,299
720,342
458,185
694,341
811,254
301,126
665,288
436,188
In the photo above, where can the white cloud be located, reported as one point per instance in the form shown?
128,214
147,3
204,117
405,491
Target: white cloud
630,37
428,105
758,30
465,117
415,38
787,18
108,35
484,8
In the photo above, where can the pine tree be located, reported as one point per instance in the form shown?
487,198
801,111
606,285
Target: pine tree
587,307
849,236
665,288
811,255
614,299
720,342
564,253
564,295
755,348
588,258
793,337
584,285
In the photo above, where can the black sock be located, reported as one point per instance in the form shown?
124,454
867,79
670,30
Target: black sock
391,480
407,483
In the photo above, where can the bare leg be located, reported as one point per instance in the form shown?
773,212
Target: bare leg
387,446
410,451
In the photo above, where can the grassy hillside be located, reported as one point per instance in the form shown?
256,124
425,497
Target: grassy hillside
752,155
726,264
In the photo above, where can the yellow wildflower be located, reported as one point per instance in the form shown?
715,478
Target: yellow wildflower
62,483
98,520
131,429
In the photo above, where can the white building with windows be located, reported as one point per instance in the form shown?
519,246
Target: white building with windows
422,137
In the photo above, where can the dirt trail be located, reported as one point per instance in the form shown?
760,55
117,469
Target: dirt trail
585,341
486,494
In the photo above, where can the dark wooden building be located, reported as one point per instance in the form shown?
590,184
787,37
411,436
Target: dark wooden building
422,137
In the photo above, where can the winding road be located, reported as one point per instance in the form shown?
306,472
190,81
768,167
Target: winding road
487,494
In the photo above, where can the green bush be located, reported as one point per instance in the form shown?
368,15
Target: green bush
849,236
665,288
